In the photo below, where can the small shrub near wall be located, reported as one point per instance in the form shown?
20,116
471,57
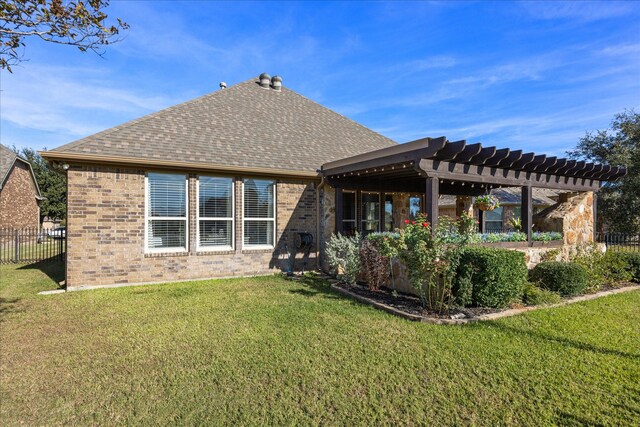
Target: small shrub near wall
566,278
629,262
343,256
534,295
375,266
490,277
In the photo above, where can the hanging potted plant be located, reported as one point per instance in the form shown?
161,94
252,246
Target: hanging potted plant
486,203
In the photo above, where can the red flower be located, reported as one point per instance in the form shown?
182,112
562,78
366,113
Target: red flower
406,221
425,224
413,222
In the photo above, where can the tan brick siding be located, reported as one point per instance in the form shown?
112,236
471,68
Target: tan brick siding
18,204
106,231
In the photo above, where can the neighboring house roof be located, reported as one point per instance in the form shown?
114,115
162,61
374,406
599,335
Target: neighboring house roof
7,159
511,196
244,127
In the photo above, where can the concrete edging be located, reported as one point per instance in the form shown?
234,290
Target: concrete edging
490,316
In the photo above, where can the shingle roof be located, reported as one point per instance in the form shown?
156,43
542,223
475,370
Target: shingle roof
512,196
244,125
7,157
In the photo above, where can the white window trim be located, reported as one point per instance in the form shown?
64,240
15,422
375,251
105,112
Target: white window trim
233,218
147,218
275,215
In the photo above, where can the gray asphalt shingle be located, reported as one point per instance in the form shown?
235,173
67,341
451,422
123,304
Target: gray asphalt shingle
244,125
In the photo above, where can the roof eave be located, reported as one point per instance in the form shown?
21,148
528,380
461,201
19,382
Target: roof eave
174,164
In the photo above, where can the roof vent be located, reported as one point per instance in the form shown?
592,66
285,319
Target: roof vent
223,85
276,83
264,80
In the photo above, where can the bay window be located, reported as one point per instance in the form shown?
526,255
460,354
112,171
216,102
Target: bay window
215,213
166,212
259,220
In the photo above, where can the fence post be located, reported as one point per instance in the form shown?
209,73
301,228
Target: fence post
16,253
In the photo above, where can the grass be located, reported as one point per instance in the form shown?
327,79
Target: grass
272,351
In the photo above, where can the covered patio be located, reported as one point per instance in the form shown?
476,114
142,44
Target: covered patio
429,167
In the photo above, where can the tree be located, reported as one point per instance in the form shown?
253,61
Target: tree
76,23
618,202
53,185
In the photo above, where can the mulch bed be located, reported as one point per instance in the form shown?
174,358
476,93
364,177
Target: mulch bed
411,304
409,307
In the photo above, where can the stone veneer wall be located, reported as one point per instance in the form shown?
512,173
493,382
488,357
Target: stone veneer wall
572,216
106,210
18,204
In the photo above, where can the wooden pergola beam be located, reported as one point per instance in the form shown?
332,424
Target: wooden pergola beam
504,177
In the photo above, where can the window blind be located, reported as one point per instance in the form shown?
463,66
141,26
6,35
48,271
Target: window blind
215,212
259,212
166,211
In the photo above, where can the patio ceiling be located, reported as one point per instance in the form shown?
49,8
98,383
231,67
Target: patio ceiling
462,168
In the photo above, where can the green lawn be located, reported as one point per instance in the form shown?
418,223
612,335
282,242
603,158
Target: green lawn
271,351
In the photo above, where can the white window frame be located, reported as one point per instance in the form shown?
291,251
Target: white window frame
147,217
275,215
206,218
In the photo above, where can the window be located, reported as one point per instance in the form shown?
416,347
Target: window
388,212
166,212
493,221
414,206
349,214
215,213
259,225
370,213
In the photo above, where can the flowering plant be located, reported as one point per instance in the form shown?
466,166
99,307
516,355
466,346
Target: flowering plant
431,261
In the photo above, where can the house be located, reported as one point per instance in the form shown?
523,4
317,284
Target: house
19,192
224,184
510,207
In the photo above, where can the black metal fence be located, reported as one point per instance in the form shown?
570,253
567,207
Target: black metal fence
28,245
620,241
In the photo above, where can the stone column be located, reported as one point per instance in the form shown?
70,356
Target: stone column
464,204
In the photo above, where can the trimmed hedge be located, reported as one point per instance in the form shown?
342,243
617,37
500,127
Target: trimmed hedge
489,277
566,278
631,262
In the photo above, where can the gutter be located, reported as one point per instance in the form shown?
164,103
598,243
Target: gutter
173,164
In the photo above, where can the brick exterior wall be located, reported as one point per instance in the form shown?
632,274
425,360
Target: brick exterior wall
18,204
105,231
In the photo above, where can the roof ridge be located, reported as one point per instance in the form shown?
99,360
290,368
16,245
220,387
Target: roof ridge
137,120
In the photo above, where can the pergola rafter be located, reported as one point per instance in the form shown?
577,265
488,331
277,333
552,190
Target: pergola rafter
433,166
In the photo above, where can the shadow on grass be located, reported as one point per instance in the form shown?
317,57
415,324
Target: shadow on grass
567,419
563,341
314,286
52,267
9,305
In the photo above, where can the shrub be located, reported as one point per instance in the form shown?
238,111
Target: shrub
566,278
490,277
632,260
534,295
616,267
343,256
374,265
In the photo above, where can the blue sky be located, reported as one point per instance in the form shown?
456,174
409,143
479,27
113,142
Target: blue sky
529,75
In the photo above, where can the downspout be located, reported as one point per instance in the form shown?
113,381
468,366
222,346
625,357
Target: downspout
318,241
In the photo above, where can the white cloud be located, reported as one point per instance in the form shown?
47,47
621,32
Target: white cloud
580,11
63,100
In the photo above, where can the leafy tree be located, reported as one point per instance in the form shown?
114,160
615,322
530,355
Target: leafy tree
76,23
53,185
618,202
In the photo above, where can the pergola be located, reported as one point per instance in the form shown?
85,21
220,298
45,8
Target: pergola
434,166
